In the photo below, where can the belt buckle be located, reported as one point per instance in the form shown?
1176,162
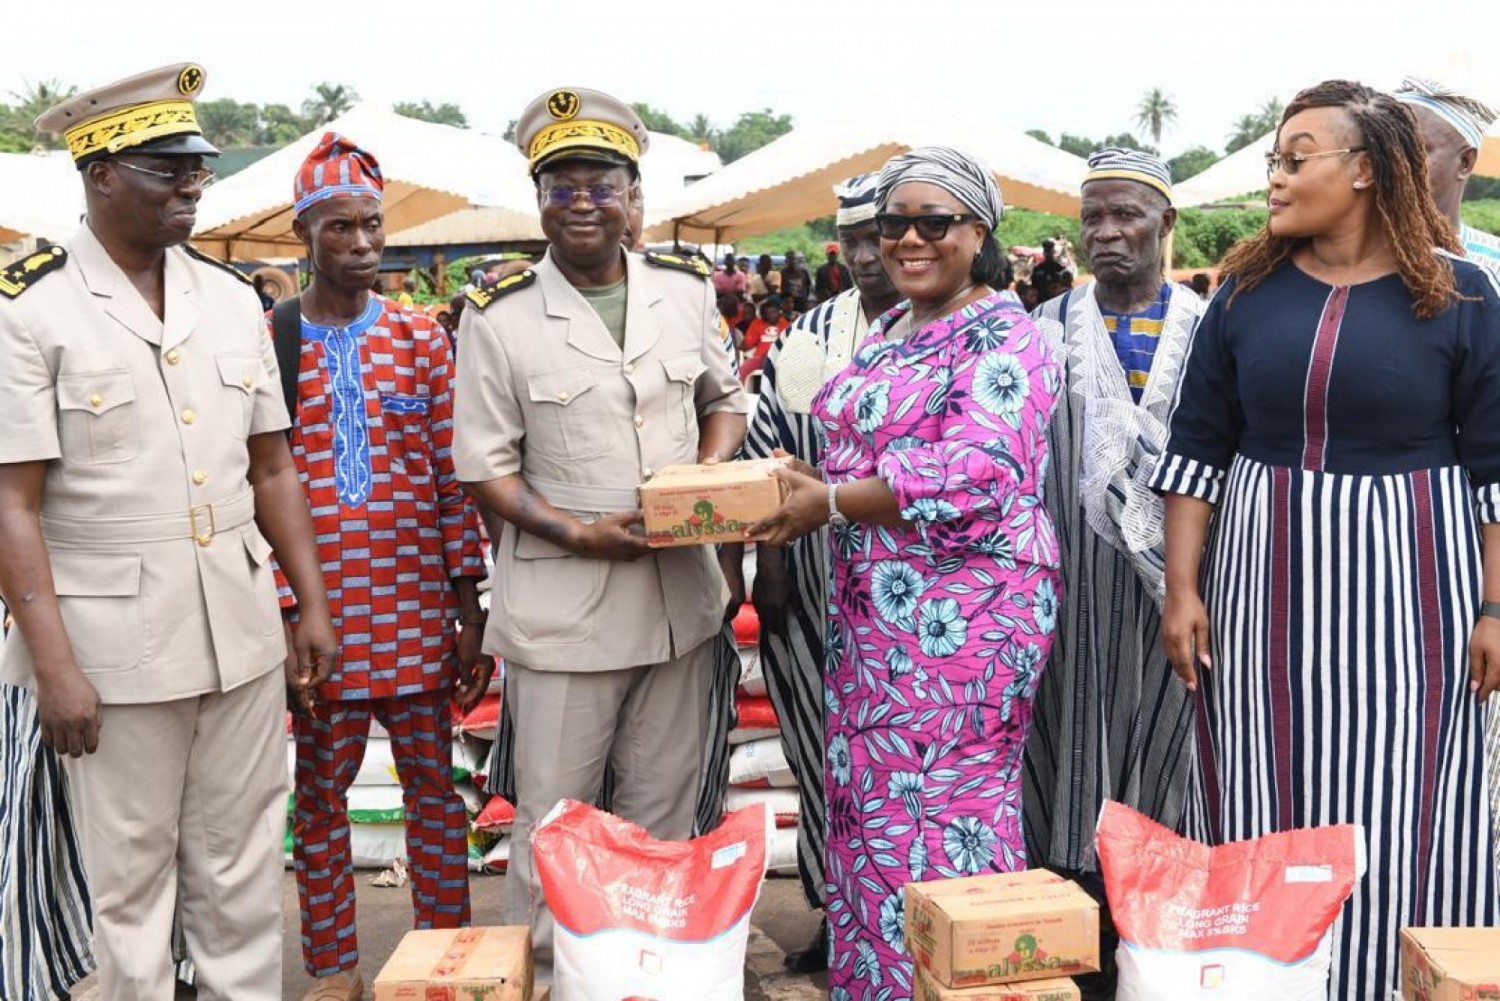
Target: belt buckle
203,538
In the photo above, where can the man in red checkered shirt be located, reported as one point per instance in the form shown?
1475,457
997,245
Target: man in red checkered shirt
399,543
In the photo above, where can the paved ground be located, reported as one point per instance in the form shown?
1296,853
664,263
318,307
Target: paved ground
782,921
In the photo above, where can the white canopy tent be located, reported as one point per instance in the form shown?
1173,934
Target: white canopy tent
789,181
430,170
668,165
41,196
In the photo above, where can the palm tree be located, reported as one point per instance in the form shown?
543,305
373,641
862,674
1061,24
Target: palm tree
1270,113
700,130
1247,130
227,123
31,101
1155,112
329,100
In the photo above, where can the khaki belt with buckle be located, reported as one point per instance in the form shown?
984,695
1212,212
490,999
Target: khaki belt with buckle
200,523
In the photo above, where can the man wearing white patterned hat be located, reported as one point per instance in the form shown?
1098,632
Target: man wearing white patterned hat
144,477
1111,720
1453,127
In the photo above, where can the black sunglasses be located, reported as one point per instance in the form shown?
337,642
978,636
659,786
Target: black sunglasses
930,228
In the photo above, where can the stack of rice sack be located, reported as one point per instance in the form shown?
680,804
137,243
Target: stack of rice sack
758,771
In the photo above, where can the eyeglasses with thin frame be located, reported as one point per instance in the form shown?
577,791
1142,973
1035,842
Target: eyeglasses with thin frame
599,195
1292,162
201,176
930,228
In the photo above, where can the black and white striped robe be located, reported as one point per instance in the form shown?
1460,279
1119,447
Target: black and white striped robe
1112,722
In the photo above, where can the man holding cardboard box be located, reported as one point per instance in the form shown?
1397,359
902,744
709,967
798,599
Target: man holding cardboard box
578,379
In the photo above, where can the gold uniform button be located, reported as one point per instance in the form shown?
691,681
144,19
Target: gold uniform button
629,369
562,397
205,539
188,417
647,473
96,400
200,477
640,421
173,357
247,382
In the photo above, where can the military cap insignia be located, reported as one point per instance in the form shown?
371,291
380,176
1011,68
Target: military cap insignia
189,80
693,265
563,104
481,298
199,255
25,273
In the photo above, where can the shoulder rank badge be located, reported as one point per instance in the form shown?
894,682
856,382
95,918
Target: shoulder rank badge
481,298
693,264
23,274
199,255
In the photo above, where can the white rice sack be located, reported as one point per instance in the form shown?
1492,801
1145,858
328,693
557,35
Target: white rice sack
760,763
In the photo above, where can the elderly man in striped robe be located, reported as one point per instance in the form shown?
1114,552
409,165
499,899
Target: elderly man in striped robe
1111,720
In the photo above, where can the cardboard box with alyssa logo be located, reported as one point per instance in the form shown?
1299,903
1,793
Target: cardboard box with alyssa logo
928,989
459,964
1002,929
1450,964
701,505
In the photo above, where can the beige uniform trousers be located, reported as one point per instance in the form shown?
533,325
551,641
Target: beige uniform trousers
186,800
649,721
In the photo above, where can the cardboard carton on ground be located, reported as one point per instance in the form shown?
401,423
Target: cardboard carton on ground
1002,929
1450,964
459,964
699,505
1061,989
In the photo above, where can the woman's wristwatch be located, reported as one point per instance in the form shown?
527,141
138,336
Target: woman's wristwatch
1490,609
835,516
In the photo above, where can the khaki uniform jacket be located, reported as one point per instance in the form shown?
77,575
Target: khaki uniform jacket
544,391
163,580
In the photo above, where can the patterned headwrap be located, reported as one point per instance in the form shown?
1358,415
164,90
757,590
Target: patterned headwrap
856,200
1117,162
1468,116
957,173
337,168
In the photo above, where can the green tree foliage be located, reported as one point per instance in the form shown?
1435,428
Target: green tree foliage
329,100
1191,162
1204,236
749,133
17,132
1249,128
1483,215
440,114
1082,146
656,120
1040,136
1155,113
279,125
228,123
1482,188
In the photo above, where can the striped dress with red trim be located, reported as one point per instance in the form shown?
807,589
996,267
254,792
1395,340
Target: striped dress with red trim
1353,453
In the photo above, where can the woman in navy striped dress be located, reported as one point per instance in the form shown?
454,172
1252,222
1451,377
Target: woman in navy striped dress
1341,412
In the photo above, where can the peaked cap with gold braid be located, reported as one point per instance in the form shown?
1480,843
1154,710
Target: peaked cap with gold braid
577,123
150,112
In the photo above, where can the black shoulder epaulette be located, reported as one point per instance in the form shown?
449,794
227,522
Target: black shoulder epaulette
481,297
24,273
199,255
693,265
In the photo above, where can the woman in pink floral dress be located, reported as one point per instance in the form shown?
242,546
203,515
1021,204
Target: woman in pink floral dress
945,585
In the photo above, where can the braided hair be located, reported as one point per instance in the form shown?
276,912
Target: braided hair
1403,204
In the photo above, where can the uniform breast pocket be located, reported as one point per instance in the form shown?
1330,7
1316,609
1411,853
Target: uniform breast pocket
570,413
408,433
99,596
97,417
682,372
241,375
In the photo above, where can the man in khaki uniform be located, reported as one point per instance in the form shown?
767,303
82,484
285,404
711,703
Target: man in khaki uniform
143,470
577,380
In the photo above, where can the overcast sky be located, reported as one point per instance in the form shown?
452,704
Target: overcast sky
1081,70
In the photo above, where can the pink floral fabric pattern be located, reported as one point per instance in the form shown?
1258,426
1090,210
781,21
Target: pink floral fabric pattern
939,629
